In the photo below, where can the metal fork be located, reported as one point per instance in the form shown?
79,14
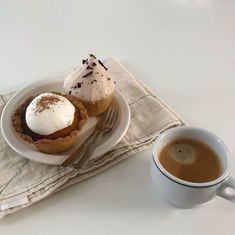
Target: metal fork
79,158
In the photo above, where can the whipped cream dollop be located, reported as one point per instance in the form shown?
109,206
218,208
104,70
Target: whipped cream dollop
91,82
48,113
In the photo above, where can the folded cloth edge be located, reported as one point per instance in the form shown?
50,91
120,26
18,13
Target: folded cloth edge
73,179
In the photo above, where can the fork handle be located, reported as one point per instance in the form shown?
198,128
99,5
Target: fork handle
80,151
80,164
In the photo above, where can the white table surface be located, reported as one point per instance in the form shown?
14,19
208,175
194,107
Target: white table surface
183,49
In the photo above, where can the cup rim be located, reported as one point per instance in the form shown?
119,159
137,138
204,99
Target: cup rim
184,182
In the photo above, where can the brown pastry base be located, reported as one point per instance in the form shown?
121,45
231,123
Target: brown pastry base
98,107
55,142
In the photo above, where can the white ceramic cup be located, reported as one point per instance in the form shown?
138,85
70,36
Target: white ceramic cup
186,194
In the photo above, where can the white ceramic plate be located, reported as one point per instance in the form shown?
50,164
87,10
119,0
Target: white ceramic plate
29,151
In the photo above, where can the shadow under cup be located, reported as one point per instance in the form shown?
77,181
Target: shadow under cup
183,193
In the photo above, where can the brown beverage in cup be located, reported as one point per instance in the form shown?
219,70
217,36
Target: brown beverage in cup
191,160
197,170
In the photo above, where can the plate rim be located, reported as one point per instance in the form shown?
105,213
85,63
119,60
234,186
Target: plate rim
8,109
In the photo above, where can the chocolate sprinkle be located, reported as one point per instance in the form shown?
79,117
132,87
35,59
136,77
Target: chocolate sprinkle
89,67
102,64
94,64
77,85
84,61
95,80
108,78
91,55
70,92
88,74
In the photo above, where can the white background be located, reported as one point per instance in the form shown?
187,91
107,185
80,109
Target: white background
184,50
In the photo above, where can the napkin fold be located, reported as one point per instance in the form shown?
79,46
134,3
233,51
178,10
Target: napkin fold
24,182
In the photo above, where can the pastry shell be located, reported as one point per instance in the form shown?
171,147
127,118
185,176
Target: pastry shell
97,107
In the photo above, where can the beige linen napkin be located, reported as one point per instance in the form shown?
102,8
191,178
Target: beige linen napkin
24,182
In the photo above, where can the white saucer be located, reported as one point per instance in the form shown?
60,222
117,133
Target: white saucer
29,151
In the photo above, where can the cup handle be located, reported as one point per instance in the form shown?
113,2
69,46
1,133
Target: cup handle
224,192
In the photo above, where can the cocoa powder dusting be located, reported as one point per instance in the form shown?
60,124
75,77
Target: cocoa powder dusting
45,102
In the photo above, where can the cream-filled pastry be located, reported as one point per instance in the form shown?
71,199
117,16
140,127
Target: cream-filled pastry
92,84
